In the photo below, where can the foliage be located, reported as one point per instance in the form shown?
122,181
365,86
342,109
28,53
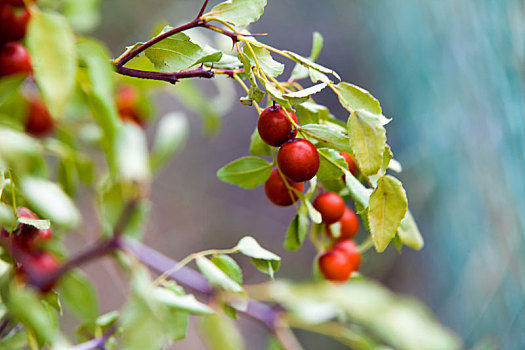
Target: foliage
77,80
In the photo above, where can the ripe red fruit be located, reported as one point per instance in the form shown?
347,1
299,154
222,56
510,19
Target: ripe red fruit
349,159
349,224
275,127
39,122
126,100
298,159
330,205
36,269
335,265
349,248
28,236
14,59
278,193
13,23
18,3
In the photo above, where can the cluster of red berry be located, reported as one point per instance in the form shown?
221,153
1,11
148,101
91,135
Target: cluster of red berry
32,264
14,59
297,162
337,263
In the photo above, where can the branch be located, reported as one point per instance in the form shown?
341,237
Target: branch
97,343
169,77
160,263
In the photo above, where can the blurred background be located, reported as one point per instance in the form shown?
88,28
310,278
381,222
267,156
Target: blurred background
451,74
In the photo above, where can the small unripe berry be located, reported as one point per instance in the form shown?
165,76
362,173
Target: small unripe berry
14,59
349,248
330,205
335,265
275,127
13,23
298,159
39,122
278,193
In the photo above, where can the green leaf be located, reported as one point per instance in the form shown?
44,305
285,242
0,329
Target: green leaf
327,137
39,224
239,12
225,61
276,94
257,146
50,201
142,318
181,302
265,60
300,71
263,259
296,233
254,93
228,266
309,64
314,215
359,193
220,333
83,16
9,85
24,306
210,58
246,172
18,151
368,140
409,233
176,53
7,218
328,161
311,113
387,157
300,96
317,45
387,207
172,132
14,341
96,58
79,295
216,277
51,44
353,97
132,153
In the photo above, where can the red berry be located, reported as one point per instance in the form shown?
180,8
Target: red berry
13,23
349,159
278,193
330,205
349,248
14,59
298,159
127,105
28,236
39,122
274,126
349,224
18,3
36,269
335,265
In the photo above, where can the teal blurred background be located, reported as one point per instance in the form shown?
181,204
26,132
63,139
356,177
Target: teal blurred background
451,74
